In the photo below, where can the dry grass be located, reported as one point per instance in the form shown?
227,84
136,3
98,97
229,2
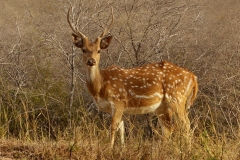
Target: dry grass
202,147
47,113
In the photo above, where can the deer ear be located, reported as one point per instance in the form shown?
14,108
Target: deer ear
77,41
105,42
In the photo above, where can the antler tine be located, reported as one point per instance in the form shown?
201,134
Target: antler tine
76,31
108,28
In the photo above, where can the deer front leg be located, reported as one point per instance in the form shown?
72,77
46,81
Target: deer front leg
116,124
122,131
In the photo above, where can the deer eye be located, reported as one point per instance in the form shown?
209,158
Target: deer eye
84,50
99,51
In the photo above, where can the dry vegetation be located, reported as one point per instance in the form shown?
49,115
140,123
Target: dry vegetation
46,111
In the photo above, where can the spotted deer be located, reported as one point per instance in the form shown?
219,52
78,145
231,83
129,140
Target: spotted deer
162,88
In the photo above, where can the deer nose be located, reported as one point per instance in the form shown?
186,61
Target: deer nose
91,62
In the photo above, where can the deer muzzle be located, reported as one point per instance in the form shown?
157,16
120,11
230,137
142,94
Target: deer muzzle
91,62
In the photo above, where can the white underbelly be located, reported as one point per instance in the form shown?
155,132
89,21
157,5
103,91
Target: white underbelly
108,106
142,110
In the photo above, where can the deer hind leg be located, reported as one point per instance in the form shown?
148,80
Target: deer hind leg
183,124
181,115
184,121
187,107
181,120
165,119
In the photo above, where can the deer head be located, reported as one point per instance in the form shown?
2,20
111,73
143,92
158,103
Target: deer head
91,50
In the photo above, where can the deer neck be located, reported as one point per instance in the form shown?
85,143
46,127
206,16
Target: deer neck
94,80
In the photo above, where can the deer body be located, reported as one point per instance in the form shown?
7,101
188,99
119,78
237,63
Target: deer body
141,89
162,88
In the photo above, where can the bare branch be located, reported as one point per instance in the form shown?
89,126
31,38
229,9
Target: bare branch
108,28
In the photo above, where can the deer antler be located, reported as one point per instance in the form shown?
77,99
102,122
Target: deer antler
75,29
108,28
